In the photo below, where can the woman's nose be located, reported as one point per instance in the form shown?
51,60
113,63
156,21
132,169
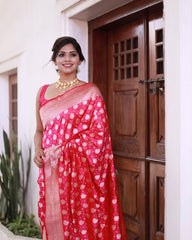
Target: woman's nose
67,57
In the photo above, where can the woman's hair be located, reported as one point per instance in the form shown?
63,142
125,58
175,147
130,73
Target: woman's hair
62,41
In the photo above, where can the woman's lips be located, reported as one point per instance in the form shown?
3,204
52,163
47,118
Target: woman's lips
67,65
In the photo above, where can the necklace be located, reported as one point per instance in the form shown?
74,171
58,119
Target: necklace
66,85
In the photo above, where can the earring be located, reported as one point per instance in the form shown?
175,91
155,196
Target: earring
57,70
78,70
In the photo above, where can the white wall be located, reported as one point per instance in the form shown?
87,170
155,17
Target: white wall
186,117
173,122
28,30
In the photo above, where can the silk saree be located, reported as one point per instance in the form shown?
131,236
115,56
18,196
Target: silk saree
78,193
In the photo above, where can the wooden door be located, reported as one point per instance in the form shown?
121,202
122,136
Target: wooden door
156,126
126,109
128,67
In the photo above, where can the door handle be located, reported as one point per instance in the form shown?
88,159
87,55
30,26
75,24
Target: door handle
161,90
153,90
156,83
151,80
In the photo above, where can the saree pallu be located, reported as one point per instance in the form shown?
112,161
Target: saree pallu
78,193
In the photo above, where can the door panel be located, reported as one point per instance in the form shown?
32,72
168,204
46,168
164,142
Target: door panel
131,185
126,97
156,95
125,100
126,110
157,187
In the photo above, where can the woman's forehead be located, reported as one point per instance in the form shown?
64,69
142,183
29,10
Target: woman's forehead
67,48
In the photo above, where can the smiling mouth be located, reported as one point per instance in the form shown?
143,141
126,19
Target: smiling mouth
67,65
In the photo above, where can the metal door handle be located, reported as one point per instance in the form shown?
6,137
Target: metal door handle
152,80
161,90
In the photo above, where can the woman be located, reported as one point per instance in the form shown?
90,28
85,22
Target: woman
78,195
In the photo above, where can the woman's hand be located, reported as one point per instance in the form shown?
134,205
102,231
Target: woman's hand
38,158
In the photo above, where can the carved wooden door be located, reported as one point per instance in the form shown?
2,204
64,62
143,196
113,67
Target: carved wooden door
126,109
136,113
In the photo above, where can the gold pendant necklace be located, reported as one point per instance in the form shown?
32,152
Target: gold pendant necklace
66,85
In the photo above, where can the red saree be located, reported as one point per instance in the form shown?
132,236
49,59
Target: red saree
78,195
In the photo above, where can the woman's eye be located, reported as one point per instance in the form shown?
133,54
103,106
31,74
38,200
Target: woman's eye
61,55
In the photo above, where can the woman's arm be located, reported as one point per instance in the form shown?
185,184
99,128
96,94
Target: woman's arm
39,154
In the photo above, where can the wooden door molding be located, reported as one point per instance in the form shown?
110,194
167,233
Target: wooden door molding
98,57
156,99
121,13
126,97
156,202
131,189
13,106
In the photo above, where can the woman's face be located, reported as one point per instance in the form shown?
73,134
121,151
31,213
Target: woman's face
67,59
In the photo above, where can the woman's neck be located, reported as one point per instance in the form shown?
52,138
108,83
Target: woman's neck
67,78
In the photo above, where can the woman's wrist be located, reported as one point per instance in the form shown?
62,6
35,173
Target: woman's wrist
37,147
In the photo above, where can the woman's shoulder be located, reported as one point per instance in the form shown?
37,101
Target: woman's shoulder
94,88
88,86
41,92
43,87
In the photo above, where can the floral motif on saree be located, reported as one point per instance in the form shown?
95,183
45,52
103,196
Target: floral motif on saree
78,194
